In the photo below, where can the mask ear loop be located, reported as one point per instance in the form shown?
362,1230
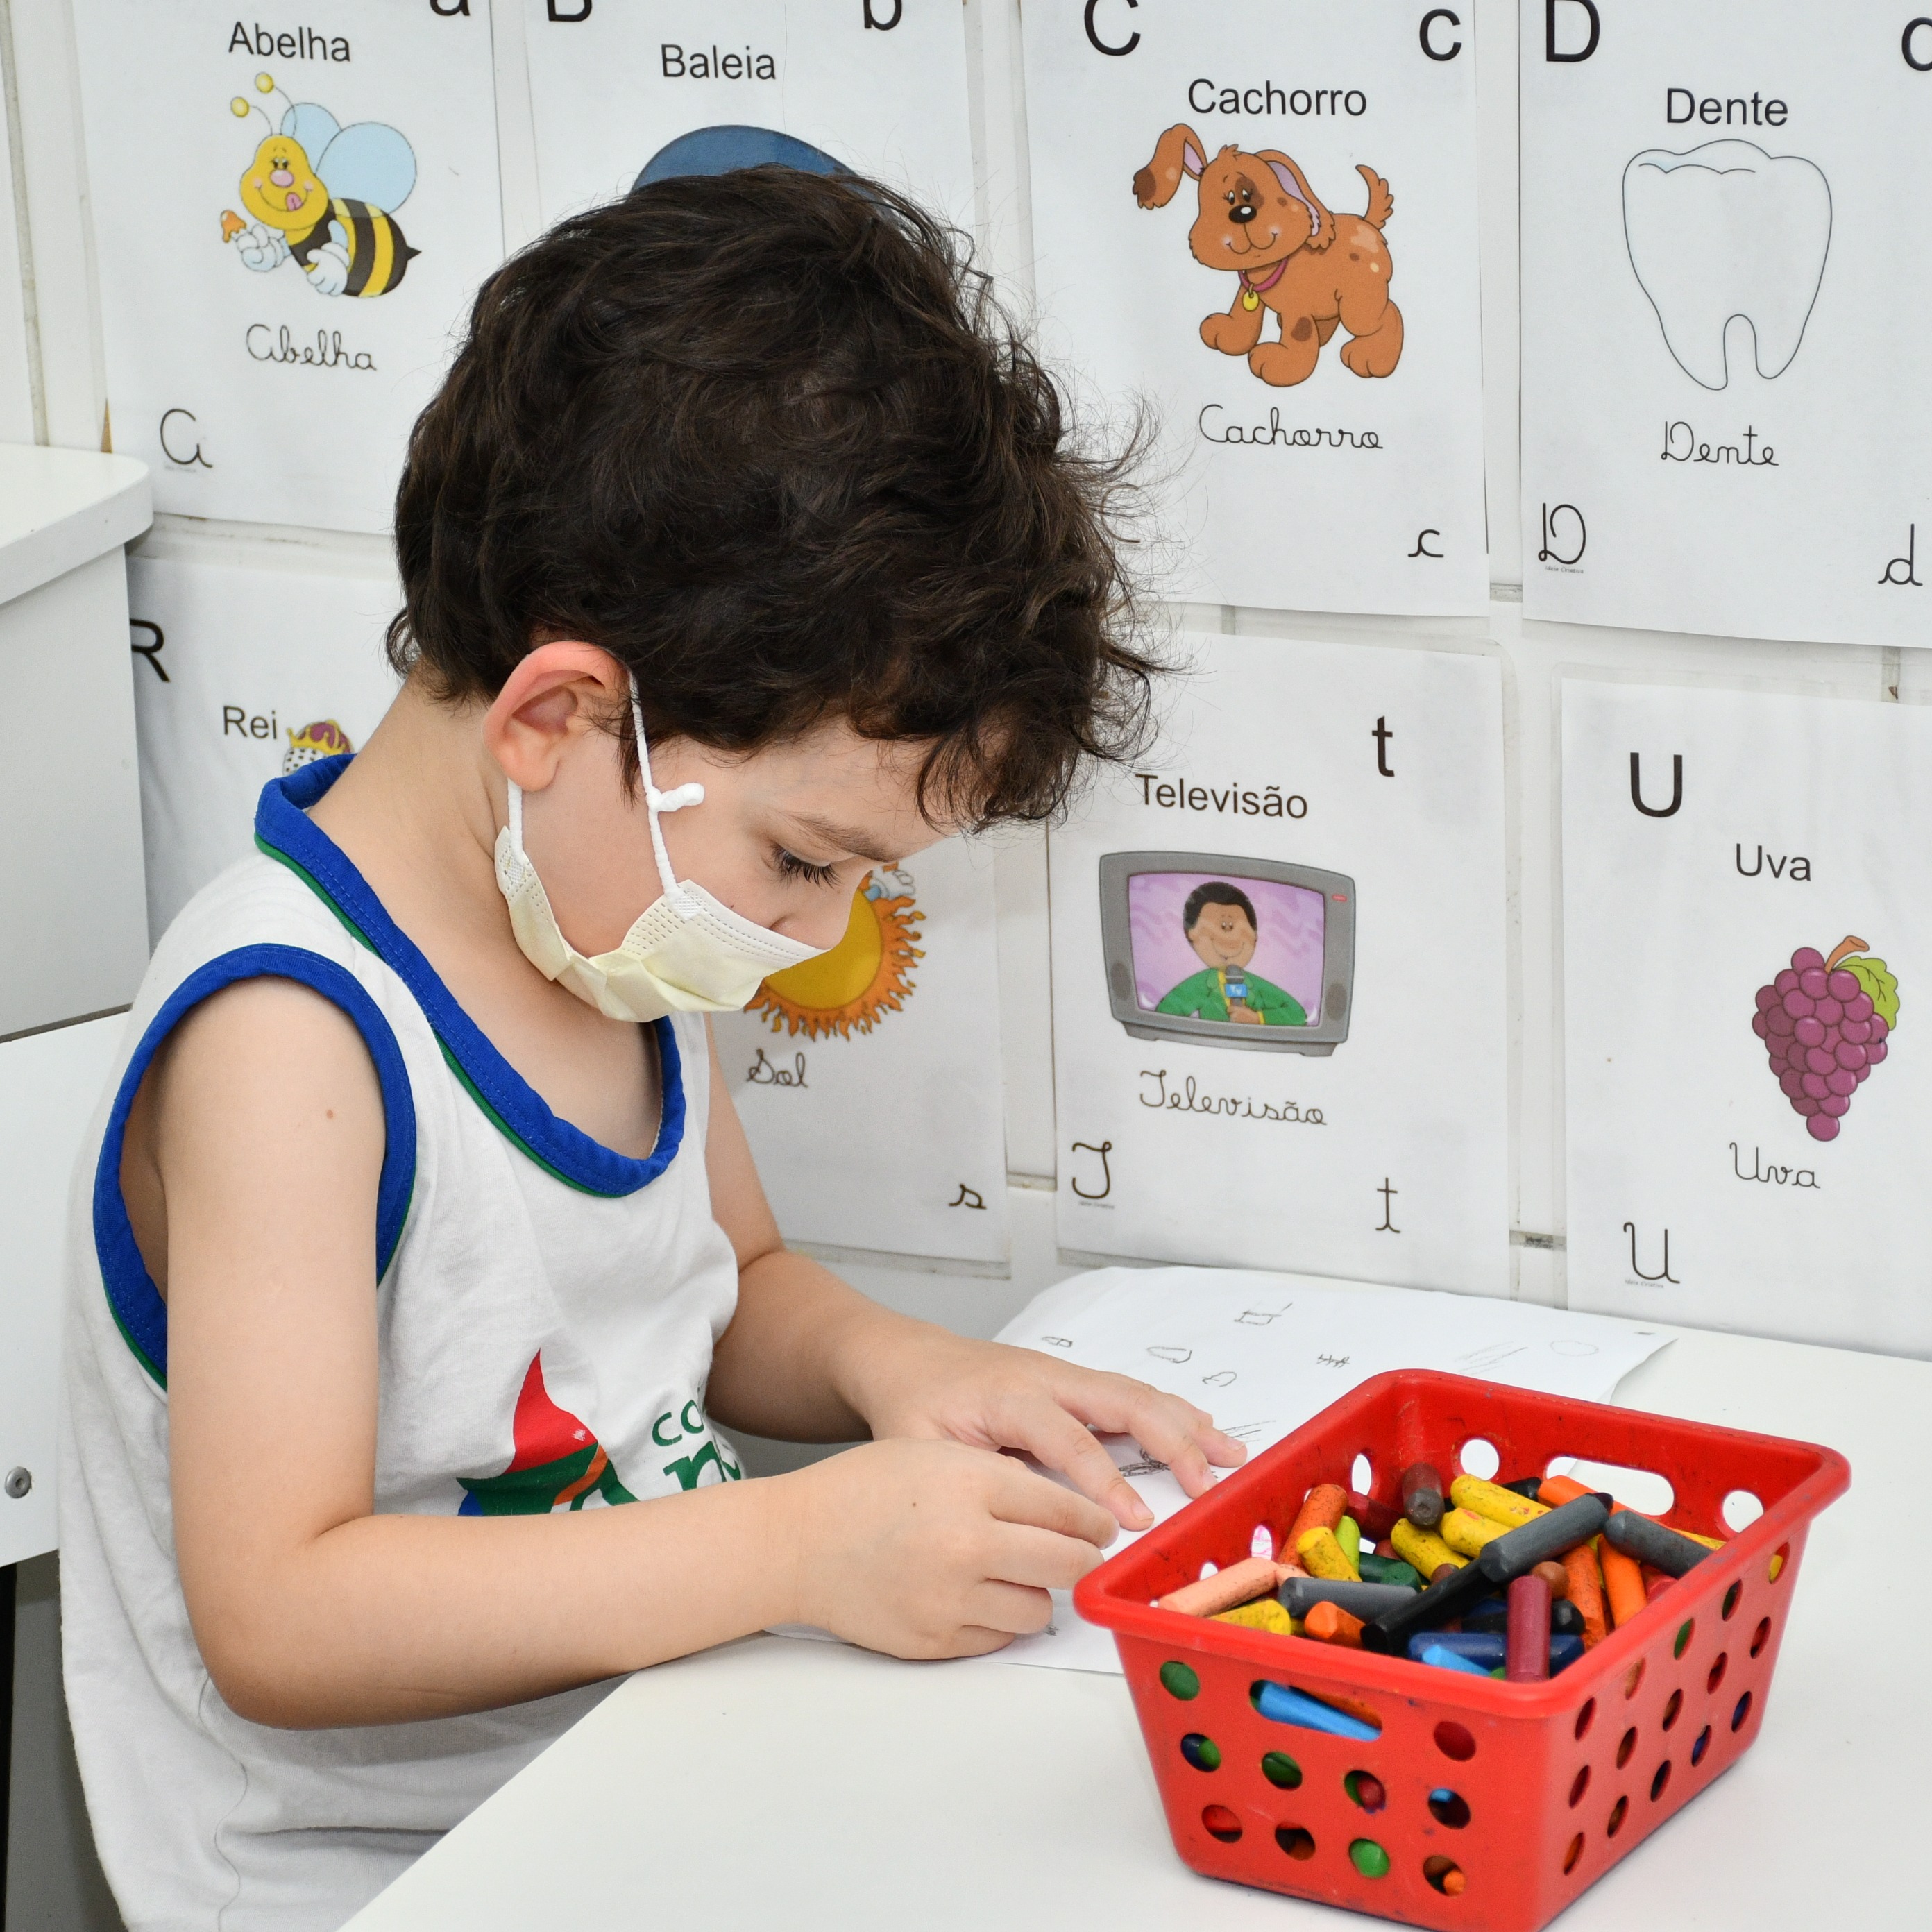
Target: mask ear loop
657,802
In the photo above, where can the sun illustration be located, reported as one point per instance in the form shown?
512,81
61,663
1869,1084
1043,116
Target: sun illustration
868,972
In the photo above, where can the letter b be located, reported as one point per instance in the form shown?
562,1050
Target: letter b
1589,46
582,12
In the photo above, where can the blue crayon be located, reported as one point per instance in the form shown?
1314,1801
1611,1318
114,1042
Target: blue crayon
1276,1701
1487,1649
1431,1650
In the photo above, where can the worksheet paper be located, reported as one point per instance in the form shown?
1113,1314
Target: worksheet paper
1348,800
625,93
290,223
1261,221
1264,1353
1726,251
240,675
869,1082
1708,836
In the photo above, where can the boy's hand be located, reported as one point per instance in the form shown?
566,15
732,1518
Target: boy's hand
934,1385
934,1549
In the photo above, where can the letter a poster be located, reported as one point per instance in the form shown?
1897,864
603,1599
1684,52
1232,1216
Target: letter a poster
1260,220
289,222
624,94
1748,948
1726,250
868,1080
240,675
1278,974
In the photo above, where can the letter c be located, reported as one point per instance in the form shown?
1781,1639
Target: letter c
1201,107
194,456
1428,19
663,1441
1905,45
690,1427
1099,46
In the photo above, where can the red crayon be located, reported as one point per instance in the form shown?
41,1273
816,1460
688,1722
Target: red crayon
1526,1657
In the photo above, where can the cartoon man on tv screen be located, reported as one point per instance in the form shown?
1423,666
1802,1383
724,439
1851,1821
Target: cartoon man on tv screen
1219,921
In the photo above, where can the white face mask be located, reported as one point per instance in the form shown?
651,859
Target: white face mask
687,954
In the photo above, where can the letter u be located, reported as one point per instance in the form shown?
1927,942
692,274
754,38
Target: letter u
1676,786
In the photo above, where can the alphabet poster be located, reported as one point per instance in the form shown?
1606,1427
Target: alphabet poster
1278,974
624,94
290,223
868,1080
1261,221
1747,948
242,674
1727,254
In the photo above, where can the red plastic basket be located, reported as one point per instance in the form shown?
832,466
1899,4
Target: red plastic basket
1532,1791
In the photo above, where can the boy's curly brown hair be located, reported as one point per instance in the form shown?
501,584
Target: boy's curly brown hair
767,439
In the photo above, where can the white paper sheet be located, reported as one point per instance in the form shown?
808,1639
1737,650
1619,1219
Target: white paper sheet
1768,824
260,379
869,1084
1385,1159
1315,471
1263,1353
1727,253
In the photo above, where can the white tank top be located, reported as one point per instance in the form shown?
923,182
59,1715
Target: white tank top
546,1308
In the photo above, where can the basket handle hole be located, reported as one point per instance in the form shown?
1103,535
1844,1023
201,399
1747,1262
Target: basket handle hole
1477,1457
1361,1474
1643,1490
1261,1543
1740,1510
1445,1875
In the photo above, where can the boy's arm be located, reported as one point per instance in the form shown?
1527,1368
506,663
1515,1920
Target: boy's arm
311,1610
808,1359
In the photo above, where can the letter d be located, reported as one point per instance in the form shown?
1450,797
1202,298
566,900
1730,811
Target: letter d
1549,30
873,25
1908,563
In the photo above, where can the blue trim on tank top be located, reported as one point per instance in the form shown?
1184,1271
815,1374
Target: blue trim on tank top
283,826
138,1310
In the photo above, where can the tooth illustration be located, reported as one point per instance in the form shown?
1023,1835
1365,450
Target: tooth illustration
1723,231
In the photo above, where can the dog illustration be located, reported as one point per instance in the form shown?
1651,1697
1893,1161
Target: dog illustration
1314,269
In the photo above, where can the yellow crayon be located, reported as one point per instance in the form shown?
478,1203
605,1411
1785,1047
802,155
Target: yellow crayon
1324,1556
1422,1549
1267,1615
1466,1532
1708,1542
1348,1534
1492,1500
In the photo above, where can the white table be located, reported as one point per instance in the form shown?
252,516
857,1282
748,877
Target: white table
806,1786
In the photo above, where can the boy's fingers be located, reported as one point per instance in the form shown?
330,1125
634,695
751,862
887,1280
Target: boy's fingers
1027,1498
1062,1442
1169,1427
1008,1607
1041,1559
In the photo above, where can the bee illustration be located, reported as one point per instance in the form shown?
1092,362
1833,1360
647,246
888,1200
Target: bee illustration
334,214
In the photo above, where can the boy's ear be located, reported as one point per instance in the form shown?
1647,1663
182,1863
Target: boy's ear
555,695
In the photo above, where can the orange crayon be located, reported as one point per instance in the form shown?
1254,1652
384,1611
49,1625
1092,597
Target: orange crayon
1322,1508
1330,1624
1226,1589
1586,1591
1623,1584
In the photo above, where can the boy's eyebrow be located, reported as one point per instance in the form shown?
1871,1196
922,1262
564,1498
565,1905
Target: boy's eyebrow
843,838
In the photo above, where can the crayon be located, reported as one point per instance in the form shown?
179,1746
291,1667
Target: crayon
1565,1619
1489,1648
1322,1508
1586,1592
1348,1534
1422,1495
1389,1633
1447,1660
1556,1490
1390,1569
1708,1542
1527,1658
1556,1576
1524,1486
1322,1554
1377,1519
1264,1614
1623,1584
1519,1551
1655,1583
1649,1542
1282,1704
1422,1549
1496,1503
1300,1594
1329,1623
1466,1533
1239,1583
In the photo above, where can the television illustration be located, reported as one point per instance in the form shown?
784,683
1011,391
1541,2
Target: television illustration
1253,953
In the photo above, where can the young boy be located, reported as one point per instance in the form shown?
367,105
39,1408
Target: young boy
1220,921
742,552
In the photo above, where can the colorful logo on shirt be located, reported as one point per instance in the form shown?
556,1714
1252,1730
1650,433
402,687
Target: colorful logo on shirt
324,738
559,1464
868,974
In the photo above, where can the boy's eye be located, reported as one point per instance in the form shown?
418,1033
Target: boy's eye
792,867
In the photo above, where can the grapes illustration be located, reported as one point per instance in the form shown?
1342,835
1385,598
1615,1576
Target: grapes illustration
1826,1023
